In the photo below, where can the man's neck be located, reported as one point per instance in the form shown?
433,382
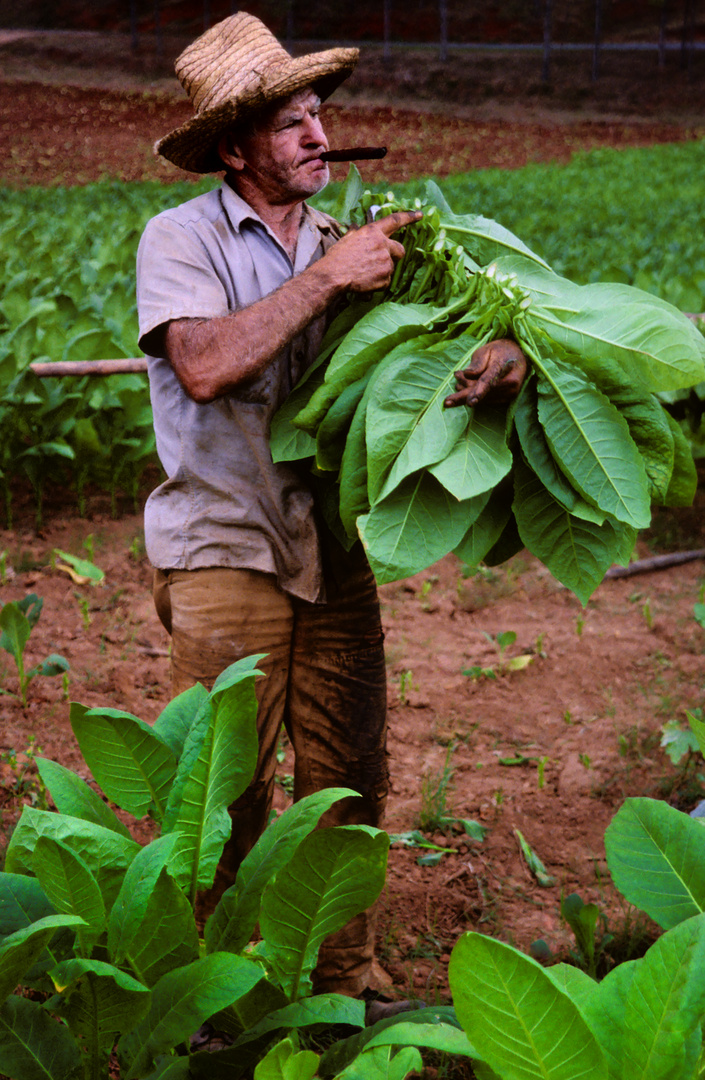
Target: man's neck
283,219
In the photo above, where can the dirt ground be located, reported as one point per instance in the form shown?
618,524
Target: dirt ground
550,750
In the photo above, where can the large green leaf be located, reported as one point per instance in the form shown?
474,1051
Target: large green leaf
287,442
216,766
344,1051
22,902
384,1063
480,459
167,937
20,950
174,722
334,875
71,887
657,346
104,851
659,1035
538,455
33,1046
484,239
416,525
590,440
577,552
407,427
604,1012
650,429
656,856
134,767
522,1025
375,335
98,1002
128,911
181,1001
488,527
684,479
73,796
231,925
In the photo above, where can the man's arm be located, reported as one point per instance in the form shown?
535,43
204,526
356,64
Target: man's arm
212,357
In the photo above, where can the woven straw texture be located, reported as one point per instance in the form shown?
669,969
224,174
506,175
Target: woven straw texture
236,69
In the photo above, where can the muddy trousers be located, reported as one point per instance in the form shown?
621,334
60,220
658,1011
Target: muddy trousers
325,684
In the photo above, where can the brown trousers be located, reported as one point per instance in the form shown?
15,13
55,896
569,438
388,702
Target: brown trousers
325,683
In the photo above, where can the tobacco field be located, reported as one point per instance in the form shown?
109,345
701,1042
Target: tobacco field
541,753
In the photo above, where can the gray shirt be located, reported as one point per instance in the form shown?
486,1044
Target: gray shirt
224,502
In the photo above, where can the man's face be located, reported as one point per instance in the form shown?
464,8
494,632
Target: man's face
280,154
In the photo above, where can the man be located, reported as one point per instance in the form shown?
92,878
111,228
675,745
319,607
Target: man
234,288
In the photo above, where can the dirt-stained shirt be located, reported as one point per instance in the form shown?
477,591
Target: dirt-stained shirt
224,502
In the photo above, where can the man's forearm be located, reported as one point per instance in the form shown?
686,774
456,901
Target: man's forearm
214,356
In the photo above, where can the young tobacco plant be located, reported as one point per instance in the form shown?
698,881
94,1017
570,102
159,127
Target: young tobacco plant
17,620
645,1018
104,929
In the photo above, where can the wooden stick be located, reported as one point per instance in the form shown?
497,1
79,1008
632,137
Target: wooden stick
656,562
60,368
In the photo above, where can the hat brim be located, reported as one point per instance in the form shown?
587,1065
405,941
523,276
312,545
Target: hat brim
192,146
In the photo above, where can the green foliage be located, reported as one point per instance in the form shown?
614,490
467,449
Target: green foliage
104,929
586,447
645,1019
17,619
67,275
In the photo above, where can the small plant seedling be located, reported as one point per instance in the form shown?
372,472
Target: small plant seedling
136,548
405,685
533,862
540,772
585,760
17,619
699,612
579,624
65,680
435,788
501,642
89,545
84,608
648,614
3,568
27,783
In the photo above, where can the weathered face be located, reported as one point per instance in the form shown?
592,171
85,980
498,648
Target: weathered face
279,154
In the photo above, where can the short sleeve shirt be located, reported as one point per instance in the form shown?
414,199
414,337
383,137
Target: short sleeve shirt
224,502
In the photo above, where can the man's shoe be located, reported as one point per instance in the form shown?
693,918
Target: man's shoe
207,1038
382,1009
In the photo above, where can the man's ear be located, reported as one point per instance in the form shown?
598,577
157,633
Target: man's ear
229,153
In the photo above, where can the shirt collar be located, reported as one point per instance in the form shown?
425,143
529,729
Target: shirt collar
239,211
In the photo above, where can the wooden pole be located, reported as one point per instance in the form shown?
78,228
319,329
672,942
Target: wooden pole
60,368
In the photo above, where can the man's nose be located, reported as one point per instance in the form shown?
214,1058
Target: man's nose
314,133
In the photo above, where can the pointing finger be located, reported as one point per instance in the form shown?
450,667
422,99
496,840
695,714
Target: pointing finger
398,220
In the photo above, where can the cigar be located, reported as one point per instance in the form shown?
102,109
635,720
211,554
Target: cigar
354,153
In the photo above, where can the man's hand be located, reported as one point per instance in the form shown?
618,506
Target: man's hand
364,258
496,375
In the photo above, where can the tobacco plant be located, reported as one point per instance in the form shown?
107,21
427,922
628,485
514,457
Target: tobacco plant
17,620
102,931
569,470
645,1019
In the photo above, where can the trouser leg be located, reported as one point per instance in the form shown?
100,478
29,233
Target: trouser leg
326,682
337,717
215,617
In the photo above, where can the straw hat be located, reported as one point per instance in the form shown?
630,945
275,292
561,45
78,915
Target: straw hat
234,70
